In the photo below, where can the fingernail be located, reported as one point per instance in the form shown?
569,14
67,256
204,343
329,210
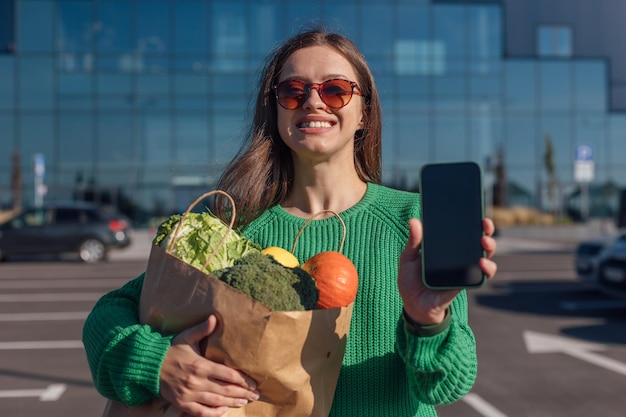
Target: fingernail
242,401
254,396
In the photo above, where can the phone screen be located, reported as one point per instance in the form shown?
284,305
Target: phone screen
452,215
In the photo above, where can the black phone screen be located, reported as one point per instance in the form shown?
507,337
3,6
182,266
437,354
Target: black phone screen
452,215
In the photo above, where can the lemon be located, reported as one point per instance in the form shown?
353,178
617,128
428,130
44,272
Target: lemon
282,256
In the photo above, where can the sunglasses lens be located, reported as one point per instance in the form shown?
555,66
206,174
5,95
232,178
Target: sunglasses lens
291,94
336,93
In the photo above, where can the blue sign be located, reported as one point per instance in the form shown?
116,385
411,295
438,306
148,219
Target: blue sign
583,153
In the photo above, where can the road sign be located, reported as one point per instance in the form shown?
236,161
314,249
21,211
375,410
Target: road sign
583,164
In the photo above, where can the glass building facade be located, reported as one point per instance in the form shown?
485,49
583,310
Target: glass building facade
141,103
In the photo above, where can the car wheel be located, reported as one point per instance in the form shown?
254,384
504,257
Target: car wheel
92,251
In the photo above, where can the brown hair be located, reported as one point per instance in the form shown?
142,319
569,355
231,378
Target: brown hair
261,174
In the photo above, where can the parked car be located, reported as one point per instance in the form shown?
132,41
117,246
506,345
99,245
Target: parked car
57,228
611,269
588,254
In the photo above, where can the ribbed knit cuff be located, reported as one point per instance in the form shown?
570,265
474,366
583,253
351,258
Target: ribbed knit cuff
428,330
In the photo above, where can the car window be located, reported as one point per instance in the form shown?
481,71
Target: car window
67,215
31,218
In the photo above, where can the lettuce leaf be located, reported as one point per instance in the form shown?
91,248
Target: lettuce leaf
198,237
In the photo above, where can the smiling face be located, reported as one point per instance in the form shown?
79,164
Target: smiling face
316,131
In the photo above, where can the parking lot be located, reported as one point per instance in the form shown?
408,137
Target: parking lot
548,344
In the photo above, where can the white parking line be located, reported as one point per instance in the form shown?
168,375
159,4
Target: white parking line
42,344
52,393
54,297
60,316
482,406
59,283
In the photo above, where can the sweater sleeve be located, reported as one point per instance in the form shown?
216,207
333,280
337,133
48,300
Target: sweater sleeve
125,357
441,368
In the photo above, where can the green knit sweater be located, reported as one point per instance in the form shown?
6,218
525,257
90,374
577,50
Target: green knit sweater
390,368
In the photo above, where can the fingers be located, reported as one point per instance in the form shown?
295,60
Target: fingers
489,267
489,226
195,334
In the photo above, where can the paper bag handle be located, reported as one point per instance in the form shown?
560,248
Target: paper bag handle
191,206
343,224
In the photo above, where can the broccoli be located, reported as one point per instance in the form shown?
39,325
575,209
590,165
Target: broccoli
275,286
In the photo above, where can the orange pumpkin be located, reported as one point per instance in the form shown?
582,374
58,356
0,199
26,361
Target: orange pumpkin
336,278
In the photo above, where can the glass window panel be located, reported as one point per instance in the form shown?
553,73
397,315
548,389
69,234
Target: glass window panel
521,186
555,41
193,103
76,139
191,84
75,84
191,26
449,138
412,22
486,87
349,11
485,67
113,26
153,84
449,85
555,84
265,30
485,31
154,138
520,149
591,85
229,92
377,41
300,13
411,93
558,129
229,36
75,32
36,136
520,85
75,102
485,129
410,146
450,27
119,84
115,144
7,141
227,128
7,87
617,144
35,26
192,138
447,104
153,26
36,83
191,63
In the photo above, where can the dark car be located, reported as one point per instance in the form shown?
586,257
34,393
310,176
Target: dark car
54,229
589,253
611,275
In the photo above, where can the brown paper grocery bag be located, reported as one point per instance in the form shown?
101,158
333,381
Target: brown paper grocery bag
294,356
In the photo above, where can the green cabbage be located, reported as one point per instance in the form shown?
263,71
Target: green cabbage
198,237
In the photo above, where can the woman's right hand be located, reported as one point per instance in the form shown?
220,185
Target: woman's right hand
197,385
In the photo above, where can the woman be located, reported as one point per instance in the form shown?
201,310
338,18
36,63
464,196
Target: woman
314,145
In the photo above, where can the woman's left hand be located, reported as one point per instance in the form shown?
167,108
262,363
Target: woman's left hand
423,305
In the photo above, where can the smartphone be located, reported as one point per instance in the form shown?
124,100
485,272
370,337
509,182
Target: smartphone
452,218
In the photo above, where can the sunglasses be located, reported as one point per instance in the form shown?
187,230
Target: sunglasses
335,93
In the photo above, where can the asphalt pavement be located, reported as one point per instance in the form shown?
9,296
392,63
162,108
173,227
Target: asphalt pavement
509,240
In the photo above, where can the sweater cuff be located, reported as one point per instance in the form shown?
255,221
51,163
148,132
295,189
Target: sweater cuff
427,330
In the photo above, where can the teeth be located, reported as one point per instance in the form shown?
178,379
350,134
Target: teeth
315,124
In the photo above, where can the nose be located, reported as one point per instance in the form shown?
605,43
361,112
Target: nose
313,99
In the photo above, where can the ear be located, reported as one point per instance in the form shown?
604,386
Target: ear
361,124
